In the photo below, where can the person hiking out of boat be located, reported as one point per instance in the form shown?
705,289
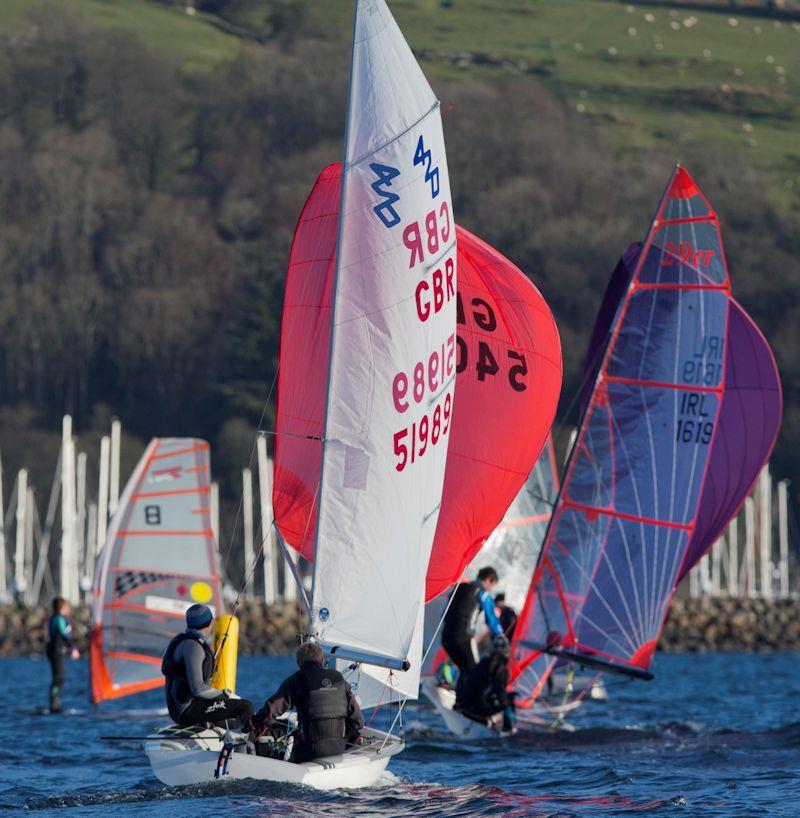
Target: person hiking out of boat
506,614
328,714
188,666
485,695
59,646
469,600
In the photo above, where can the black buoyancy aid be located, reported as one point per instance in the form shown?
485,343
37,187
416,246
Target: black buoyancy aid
177,685
56,641
464,609
484,692
322,709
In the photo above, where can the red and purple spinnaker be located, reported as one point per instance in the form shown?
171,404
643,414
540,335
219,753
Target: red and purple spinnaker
508,378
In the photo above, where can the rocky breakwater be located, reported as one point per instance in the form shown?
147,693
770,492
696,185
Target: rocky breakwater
262,628
693,625
728,624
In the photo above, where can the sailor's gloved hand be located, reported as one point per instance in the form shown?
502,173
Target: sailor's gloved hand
499,641
75,654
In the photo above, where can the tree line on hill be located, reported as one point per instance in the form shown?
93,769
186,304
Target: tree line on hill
147,216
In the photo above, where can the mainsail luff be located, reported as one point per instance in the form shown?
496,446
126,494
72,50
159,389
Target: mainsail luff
380,489
159,558
580,602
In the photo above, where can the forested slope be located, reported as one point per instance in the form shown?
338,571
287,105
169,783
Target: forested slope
153,164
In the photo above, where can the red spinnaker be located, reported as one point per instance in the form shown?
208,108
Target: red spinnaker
508,382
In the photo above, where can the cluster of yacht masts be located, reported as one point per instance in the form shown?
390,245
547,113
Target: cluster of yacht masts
27,572
744,560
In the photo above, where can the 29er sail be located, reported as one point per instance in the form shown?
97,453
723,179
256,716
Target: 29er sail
629,501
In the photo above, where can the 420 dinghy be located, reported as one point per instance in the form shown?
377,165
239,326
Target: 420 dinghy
367,440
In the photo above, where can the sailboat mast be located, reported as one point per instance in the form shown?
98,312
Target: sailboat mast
336,270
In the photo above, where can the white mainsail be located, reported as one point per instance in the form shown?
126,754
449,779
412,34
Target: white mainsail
392,371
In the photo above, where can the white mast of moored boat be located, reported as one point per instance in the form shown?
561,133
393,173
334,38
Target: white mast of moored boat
733,556
113,486
103,492
265,509
20,586
67,581
765,536
247,510
783,536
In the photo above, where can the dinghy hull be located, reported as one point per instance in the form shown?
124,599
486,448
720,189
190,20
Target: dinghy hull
178,762
444,699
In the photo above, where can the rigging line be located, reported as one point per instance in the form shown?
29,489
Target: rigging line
249,466
246,579
424,658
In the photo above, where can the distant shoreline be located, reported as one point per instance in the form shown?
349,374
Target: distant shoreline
706,625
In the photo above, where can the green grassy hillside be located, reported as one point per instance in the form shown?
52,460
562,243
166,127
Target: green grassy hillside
684,80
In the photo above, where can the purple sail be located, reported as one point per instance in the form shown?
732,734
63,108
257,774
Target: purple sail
750,418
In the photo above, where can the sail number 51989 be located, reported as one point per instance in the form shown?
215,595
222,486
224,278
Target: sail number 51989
415,440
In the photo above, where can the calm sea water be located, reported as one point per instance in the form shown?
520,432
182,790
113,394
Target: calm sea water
714,735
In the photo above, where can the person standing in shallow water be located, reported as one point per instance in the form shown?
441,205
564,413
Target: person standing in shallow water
59,646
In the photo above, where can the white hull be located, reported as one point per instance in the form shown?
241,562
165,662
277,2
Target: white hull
178,762
444,700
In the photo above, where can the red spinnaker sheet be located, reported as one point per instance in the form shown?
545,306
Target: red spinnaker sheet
628,505
508,382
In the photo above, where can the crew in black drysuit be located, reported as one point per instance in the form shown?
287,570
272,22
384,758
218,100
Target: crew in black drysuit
470,599
506,614
59,646
328,714
188,666
485,692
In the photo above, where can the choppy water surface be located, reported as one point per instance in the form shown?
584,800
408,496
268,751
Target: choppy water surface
713,735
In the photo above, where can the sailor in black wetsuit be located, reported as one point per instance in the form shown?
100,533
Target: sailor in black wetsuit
188,666
506,614
329,717
59,646
484,694
458,628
